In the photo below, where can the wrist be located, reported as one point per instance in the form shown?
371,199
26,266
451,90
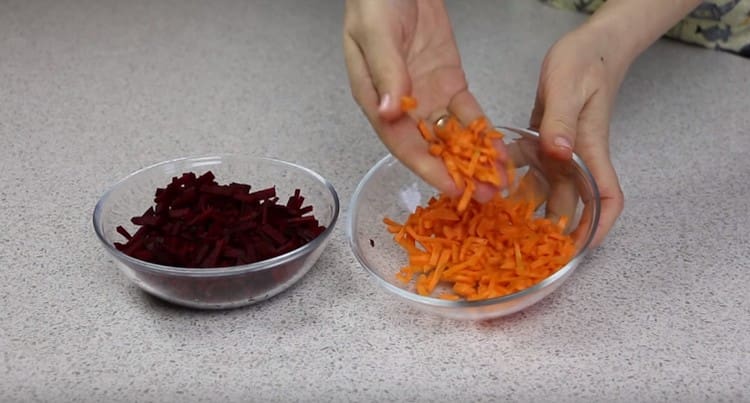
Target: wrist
634,25
617,40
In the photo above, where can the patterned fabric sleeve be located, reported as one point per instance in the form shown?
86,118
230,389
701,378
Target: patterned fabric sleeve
721,24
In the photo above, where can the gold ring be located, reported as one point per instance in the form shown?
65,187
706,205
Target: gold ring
441,120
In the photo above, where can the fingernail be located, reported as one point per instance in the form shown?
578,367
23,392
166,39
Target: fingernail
385,102
563,142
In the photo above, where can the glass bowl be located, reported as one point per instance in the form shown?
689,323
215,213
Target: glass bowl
391,190
226,287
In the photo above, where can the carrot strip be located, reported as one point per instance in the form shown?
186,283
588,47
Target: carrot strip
424,130
435,255
449,296
408,103
466,197
436,149
419,259
437,274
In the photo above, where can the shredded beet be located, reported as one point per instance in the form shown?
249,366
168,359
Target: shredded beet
197,222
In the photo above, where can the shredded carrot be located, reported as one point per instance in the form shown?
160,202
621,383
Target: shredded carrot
479,253
467,151
424,130
477,250
408,103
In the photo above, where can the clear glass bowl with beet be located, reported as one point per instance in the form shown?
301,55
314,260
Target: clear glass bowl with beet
218,275
391,190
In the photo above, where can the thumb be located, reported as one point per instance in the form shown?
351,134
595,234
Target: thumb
559,112
387,68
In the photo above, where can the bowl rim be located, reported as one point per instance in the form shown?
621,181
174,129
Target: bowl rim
437,302
218,271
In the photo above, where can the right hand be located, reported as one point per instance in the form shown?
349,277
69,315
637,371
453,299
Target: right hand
578,83
395,48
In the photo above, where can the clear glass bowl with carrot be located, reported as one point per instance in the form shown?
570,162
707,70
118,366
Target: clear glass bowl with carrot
462,259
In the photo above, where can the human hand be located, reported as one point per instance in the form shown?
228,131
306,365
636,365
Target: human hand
579,80
395,48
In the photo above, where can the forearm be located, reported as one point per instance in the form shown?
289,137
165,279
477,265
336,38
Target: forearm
636,24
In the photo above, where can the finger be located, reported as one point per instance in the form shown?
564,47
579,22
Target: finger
563,195
532,187
360,81
523,152
582,227
483,192
593,148
401,138
563,199
405,143
611,206
515,154
612,200
387,66
536,114
561,107
465,107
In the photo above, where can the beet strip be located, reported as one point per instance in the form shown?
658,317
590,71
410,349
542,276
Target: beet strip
275,235
301,220
217,190
122,231
256,196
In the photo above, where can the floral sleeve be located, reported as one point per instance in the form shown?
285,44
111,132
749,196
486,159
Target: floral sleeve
723,25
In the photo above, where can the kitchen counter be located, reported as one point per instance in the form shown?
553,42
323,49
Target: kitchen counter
92,90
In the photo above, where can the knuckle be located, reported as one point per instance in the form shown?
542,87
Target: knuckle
563,123
379,81
360,28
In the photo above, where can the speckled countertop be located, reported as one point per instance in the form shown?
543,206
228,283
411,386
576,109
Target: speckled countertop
92,90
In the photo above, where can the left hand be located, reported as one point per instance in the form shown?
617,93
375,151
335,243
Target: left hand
406,47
